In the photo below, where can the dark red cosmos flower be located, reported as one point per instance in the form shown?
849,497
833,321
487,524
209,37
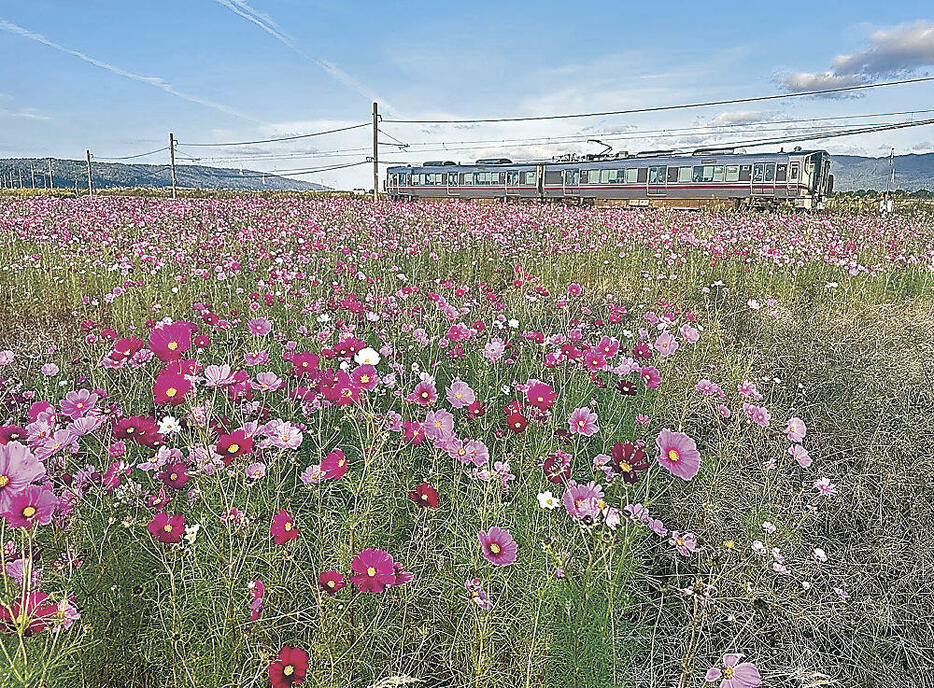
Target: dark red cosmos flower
331,581
11,433
557,467
476,409
627,387
642,350
628,459
283,528
232,445
413,432
290,668
167,528
141,429
39,612
202,341
516,422
175,475
425,495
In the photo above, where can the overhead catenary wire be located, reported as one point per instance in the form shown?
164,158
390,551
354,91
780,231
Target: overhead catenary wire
662,108
280,138
132,157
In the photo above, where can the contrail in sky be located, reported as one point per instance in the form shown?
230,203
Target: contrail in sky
266,23
156,81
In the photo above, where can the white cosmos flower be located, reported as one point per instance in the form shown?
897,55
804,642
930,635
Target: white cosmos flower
367,356
546,500
169,425
191,533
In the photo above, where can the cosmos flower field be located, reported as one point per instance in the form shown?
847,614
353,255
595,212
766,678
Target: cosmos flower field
254,441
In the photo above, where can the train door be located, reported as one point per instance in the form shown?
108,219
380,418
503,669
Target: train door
513,178
657,181
540,180
572,180
451,178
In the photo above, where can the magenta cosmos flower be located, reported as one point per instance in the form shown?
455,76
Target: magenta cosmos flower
373,570
18,468
678,454
583,421
282,527
498,546
733,674
34,504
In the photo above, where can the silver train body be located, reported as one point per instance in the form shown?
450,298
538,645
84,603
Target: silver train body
800,177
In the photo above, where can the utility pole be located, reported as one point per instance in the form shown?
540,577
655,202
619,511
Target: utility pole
51,180
375,152
172,159
90,183
20,171
32,171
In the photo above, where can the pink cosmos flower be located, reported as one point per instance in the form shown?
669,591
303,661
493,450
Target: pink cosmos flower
374,570
825,487
800,454
18,468
282,527
424,394
678,454
685,543
78,403
540,395
259,327
650,376
438,424
583,421
460,395
666,345
581,501
733,674
33,504
334,465
498,546
258,591
796,429
169,342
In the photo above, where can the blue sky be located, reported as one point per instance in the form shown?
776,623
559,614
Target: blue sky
116,77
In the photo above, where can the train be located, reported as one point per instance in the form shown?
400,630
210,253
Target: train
696,179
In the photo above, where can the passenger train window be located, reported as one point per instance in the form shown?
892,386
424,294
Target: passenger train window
529,177
758,172
571,177
642,175
452,178
672,175
467,179
632,176
656,175
512,177
770,172
684,174
794,171
732,173
745,173
781,172
718,173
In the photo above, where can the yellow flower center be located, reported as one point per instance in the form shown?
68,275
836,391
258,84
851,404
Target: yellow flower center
167,528
173,346
171,392
288,526
331,584
371,571
173,476
673,455
29,512
4,480
728,672
458,395
233,448
288,669
79,405
625,467
364,379
495,548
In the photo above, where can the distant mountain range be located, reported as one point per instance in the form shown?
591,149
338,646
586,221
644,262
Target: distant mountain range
109,175
851,173
912,172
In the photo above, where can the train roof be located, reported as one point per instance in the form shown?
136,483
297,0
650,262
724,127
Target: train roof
699,157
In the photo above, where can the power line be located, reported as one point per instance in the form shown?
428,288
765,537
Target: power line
661,108
138,155
281,138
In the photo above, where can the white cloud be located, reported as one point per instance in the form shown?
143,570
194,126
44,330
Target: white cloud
891,52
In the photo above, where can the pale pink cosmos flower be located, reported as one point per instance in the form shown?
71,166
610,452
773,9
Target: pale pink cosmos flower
259,327
733,674
583,421
438,424
825,487
666,345
6,357
460,395
218,376
494,349
800,454
795,429
685,543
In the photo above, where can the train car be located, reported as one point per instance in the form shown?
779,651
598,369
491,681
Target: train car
653,178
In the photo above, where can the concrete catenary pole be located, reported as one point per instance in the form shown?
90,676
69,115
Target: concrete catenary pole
375,152
172,159
90,182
